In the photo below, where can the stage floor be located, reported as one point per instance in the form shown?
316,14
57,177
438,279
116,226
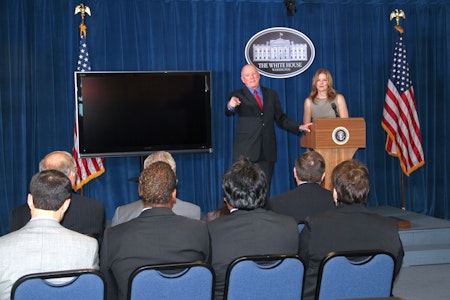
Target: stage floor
417,221
426,240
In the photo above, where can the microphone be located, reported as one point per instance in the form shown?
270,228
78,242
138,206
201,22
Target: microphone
333,106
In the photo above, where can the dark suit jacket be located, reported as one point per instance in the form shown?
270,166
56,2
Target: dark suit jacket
348,227
255,232
255,131
85,215
305,200
156,236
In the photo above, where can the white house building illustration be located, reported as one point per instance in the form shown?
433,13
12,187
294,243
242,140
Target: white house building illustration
280,50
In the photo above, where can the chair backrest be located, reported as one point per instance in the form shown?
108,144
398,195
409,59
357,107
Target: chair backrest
356,274
172,281
300,226
83,284
265,277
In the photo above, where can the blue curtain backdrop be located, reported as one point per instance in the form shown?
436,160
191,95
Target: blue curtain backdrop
354,39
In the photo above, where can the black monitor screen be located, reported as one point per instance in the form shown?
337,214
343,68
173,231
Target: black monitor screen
136,113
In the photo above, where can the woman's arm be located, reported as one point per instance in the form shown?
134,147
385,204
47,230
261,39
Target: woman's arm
342,106
307,111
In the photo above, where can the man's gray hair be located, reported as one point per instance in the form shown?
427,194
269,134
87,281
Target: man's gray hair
163,156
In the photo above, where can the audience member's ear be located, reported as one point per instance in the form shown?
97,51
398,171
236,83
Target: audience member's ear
295,175
173,199
323,177
59,215
335,197
73,177
139,190
227,204
65,205
30,201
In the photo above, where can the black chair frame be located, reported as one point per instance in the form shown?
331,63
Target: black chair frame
171,269
59,274
260,259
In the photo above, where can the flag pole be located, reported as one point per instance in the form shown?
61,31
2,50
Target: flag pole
403,190
397,14
400,118
92,167
82,9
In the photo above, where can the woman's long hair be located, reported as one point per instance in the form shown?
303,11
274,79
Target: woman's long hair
331,92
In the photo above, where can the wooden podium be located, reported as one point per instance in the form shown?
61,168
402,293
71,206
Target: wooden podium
336,140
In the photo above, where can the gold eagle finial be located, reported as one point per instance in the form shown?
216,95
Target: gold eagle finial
397,14
83,10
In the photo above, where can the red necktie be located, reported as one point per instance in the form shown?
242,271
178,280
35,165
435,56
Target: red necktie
258,99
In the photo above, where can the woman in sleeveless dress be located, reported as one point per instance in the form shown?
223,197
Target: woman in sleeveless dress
324,101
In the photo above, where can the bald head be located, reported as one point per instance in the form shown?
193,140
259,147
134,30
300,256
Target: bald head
61,161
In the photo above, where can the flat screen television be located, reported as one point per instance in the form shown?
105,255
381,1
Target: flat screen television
136,113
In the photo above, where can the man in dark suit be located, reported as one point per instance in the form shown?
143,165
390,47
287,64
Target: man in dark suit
308,197
255,132
85,215
248,229
351,226
156,236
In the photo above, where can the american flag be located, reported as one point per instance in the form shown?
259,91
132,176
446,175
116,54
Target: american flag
400,119
87,168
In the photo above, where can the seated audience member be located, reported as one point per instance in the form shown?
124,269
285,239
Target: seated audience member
351,226
156,236
43,245
222,211
248,229
308,197
84,215
130,211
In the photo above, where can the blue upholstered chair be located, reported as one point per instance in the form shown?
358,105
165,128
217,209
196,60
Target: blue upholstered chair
83,284
265,277
172,281
356,274
300,226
